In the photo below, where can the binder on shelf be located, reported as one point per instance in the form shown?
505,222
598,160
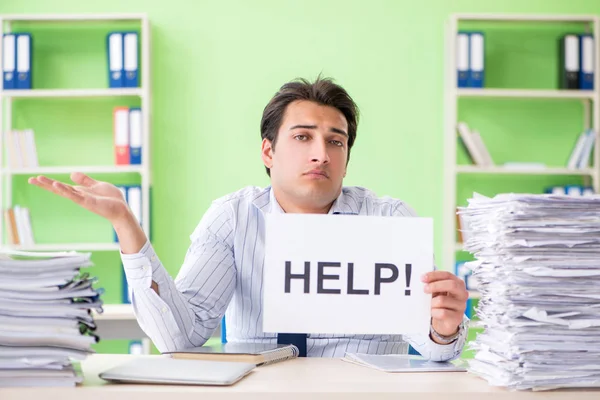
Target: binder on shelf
136,347
9,61
462,59
134,199
571,190
131,62
23,61
569,62
135,136
121,134
586,153
468,140
574,190
11,226
575,156
114,50
586,62
476,59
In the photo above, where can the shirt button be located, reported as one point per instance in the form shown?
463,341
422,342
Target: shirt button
153,258
145,268
164,310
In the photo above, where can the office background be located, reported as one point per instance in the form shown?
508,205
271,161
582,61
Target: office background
215,65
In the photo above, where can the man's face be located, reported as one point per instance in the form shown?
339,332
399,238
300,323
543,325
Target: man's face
308,163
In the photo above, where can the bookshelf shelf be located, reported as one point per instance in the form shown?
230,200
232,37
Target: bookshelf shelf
528,93
72,17
472,169
589,176
68,246
113,169
72,93
525,18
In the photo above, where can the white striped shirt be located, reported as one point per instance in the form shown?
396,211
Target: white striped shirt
223,271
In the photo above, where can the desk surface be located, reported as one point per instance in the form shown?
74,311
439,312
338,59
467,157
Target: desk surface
303,378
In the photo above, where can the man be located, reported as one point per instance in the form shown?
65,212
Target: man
308,130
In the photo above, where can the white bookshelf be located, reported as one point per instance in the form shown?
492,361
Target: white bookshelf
527,93
473,169
86,169
72,93
69,246
591,117
143,93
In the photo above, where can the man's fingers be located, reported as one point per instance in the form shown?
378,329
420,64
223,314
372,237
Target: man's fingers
444,314
437,276
82,179
449,303
454,287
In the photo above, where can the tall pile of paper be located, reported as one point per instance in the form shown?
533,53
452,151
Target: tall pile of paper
538,270
45,320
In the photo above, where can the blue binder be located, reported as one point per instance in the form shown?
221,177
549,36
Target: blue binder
586,61
9,60
135,136
476,59
462,59
130,59
23,76
115,55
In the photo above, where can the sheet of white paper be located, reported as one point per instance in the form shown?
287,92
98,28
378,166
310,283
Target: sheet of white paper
357,253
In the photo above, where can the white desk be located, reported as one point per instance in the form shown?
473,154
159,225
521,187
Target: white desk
303,378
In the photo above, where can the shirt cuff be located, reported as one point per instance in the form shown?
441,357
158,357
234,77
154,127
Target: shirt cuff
447,352
143,267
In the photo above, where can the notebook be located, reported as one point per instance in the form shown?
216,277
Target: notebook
166,370
404,363
255,353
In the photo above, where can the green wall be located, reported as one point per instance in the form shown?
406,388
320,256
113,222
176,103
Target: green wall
216,64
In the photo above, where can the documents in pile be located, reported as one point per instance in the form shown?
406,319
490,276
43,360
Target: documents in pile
45,319
537,265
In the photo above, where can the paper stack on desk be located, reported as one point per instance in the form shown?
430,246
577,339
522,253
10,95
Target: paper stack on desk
538,270
45,320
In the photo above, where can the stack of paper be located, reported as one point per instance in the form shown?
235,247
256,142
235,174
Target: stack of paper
45,320
538,271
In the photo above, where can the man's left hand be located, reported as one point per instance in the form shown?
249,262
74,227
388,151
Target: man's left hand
449,301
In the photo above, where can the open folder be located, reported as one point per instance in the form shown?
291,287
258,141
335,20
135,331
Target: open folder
403,363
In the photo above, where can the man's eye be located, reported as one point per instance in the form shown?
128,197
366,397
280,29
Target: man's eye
337,143
300,137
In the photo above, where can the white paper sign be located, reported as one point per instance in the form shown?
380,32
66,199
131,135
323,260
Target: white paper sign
357,269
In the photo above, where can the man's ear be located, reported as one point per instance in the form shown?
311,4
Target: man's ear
267,153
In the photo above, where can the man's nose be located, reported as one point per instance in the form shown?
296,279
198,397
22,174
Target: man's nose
319,152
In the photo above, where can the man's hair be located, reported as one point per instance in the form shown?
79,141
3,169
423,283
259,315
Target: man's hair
322,91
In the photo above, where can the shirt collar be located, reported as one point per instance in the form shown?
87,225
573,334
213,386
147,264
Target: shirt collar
344,204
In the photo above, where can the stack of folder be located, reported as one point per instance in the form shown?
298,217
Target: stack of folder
18,225
470,59
576,67
127,126
122,50
538,274
45,319
21,149
16,56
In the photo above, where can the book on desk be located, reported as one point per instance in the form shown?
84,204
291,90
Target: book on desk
255,353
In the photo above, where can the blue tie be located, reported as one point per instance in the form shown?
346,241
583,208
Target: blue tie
297,339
